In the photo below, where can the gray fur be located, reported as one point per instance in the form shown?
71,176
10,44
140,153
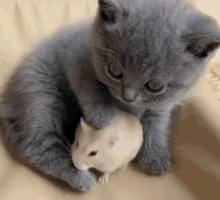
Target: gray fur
153,43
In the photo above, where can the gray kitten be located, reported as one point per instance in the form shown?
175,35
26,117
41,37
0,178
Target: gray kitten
140,56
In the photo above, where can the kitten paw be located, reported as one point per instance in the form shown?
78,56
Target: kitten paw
83,180
156,164
99,117
103,179
122,168
103,122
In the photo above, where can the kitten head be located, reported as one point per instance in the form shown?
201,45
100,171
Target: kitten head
150,53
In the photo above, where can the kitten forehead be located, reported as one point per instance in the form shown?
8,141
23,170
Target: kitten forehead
167,40
149,34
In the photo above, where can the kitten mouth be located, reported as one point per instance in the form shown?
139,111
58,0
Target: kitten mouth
114,93
134,103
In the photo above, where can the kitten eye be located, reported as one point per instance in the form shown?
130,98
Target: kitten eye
154,86
114,71
93,153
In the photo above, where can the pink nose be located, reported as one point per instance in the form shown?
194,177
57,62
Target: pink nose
81,166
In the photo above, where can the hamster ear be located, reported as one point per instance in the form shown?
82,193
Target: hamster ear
113,140
84,125
107,11
202,36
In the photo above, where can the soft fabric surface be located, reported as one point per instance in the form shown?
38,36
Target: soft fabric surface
195,173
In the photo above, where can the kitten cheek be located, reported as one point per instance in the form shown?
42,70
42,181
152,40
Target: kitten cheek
115,94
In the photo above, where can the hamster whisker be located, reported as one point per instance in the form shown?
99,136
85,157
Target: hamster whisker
69,155
63,147
68,143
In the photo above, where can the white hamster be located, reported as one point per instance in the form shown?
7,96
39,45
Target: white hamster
107,149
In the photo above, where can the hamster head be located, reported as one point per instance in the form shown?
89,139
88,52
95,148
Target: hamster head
91,147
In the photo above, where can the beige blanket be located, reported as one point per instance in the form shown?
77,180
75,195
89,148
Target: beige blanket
195,173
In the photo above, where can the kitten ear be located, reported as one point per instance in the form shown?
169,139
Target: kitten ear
202,38
84,125
107,11
201,45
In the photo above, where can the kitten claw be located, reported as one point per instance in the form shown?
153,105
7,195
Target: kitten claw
156,167
158,164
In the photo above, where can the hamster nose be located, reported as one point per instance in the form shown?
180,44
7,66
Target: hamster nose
81,166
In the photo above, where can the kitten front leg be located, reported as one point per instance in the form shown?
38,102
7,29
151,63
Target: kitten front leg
97,106
154,154
98,115
54,160
46,152
34,129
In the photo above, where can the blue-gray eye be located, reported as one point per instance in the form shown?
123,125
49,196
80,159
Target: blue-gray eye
115,71
154,86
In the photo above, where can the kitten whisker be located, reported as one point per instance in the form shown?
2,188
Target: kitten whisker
103,62
103,48
105,38
99,61
113,44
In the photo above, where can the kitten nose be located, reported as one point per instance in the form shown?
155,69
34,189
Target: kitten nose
129,95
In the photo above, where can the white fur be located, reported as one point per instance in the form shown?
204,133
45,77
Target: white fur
116,145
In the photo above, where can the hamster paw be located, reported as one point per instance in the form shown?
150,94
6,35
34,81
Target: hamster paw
122,168
103,179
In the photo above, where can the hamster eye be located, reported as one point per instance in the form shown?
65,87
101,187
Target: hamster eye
93,153
77,144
